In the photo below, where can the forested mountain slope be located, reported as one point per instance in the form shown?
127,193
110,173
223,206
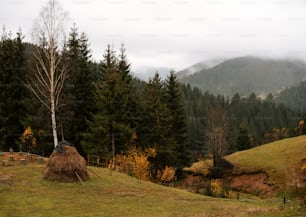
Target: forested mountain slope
245,75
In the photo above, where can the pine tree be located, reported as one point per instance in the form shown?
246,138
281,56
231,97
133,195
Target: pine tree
78,90
110,128
12,76
178,130
128,91
158,124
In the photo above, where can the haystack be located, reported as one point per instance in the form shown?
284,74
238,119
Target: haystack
68,166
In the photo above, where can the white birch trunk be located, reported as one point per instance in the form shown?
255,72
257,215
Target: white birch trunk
53,119
49,79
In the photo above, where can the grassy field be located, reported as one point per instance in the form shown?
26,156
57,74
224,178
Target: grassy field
24,193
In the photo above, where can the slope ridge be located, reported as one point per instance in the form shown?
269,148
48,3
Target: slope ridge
245,75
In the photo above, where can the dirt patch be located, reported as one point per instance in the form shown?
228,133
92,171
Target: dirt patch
193,183
126,193
254,183
6,179
21,156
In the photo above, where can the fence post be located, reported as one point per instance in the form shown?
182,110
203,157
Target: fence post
88,159
98,161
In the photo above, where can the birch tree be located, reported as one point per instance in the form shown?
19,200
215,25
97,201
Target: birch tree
51,72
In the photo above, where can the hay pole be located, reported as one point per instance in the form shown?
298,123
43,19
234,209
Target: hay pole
78,177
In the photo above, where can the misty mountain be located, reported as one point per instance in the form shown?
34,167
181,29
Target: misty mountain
245,75
198,67
145,73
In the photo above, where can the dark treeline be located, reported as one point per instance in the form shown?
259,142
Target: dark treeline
252,121
106,111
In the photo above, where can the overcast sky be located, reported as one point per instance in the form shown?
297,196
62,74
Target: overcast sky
178,33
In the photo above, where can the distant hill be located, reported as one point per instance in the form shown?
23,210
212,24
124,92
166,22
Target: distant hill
245,75
145,73
198,67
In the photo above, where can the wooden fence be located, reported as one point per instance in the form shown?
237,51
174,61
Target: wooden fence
98,161
119,164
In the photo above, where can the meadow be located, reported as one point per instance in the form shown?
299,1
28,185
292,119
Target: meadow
108,193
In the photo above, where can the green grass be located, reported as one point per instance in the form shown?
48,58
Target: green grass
281,160
26,194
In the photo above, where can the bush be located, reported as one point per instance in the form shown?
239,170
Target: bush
167,175
216,189
136,163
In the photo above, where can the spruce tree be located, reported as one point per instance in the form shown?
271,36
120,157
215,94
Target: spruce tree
12,89
178,128
78,90
110,130
158,124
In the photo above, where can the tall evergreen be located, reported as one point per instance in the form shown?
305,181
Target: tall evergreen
158,124
178,128
110,131
78,90
128,91
12,90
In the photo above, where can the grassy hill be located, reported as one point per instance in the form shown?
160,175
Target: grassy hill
279,159
280,162
24,193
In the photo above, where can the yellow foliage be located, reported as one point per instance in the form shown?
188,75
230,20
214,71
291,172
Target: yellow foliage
27,139
216,187
303,168
141,167
167,175
136,162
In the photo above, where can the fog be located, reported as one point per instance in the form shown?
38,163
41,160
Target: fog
177,33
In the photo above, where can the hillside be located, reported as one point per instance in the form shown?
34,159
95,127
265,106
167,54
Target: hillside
24,193
245,75
198,67
294,97
267,169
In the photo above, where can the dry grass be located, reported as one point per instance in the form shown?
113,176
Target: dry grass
200,168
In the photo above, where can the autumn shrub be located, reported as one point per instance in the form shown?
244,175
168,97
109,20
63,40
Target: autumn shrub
27,140
141,167
216,189
167,175
136,162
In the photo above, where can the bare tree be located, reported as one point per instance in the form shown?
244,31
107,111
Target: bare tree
217,135
51,72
